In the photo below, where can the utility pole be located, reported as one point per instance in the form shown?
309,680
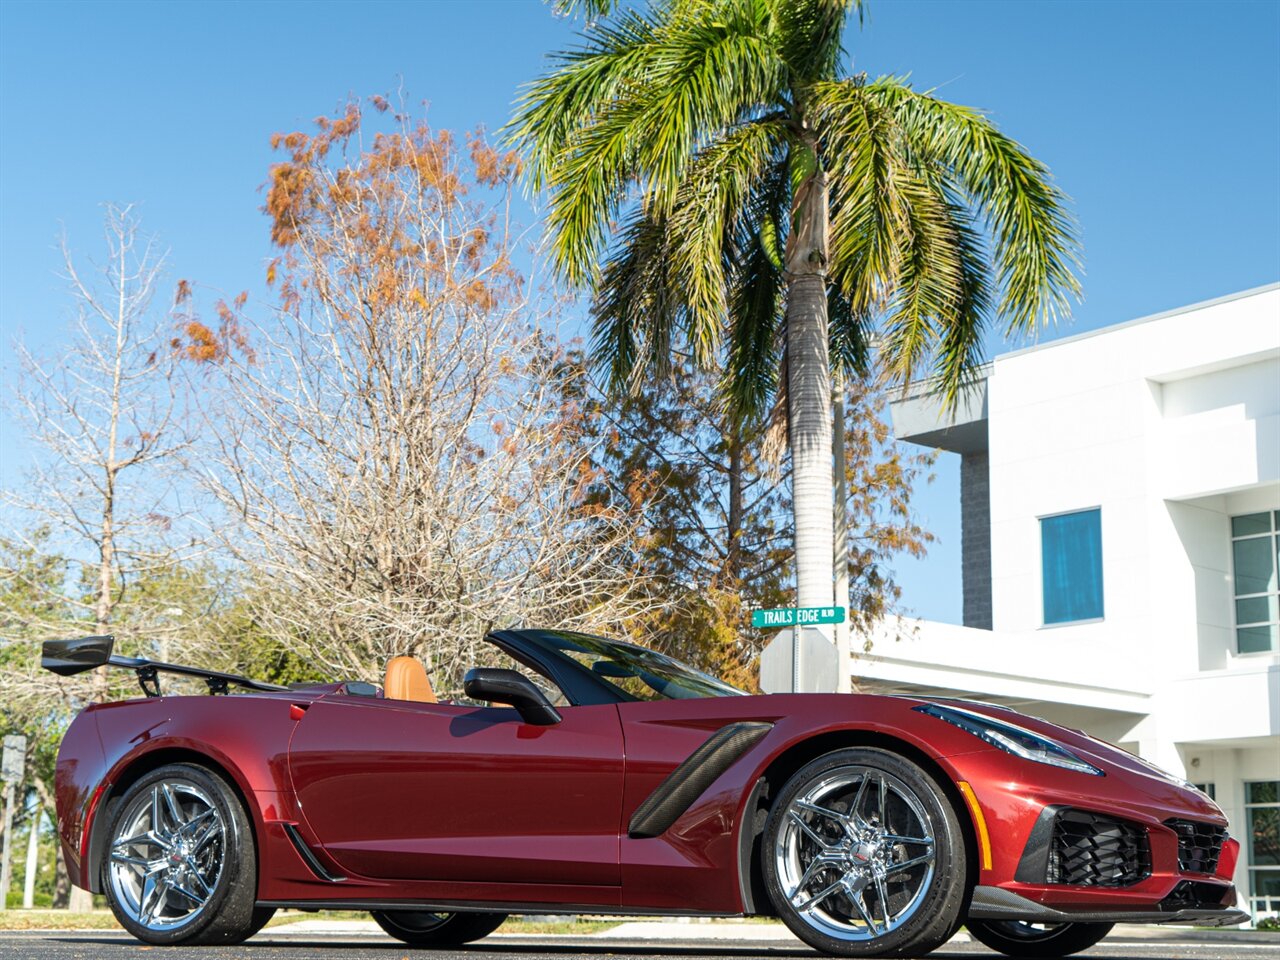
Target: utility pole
843,651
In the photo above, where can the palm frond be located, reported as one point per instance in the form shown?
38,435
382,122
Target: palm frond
1033,233
636,307
702,76
716,193
617,54
811,35
850,347
869,215
754,350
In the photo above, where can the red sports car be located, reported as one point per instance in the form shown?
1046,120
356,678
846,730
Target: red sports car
615,780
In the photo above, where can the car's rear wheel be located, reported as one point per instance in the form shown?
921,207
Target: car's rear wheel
863,855
1038,940
180,865
420,928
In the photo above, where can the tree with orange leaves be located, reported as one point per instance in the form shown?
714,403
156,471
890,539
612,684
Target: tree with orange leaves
398,456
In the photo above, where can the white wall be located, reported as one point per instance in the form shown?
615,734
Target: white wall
1135,420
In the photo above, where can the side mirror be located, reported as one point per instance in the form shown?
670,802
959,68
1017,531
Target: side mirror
506,686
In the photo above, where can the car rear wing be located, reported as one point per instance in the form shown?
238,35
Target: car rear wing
69,657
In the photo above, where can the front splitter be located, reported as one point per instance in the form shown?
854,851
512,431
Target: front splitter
994,903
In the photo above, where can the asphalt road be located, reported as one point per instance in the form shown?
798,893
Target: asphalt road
106,945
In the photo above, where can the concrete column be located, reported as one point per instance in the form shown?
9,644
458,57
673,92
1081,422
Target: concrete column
975,538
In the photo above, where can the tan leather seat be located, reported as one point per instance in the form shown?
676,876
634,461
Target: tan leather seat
407,680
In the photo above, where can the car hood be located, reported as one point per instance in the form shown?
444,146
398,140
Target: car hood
1107,757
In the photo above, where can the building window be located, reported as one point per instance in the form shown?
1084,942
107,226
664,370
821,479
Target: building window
1071,566
1262,813
1207,789
1254,548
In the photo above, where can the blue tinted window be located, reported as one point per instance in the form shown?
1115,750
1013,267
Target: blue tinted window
1071,565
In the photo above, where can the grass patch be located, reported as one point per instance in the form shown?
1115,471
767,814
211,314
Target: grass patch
104,920
57,920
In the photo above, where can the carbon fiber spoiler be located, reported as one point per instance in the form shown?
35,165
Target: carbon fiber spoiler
69,657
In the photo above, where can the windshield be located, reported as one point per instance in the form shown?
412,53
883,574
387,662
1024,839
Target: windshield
636,673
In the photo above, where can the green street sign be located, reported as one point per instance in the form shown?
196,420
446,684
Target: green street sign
791,616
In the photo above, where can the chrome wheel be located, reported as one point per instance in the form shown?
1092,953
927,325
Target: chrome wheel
167,855
855,853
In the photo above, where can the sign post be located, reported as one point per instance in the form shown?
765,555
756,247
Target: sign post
12,765
800,658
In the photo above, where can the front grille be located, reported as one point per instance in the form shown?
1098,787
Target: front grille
1199,845
1092,850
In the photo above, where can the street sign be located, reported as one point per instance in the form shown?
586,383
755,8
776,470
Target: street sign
15,758
808,663
791,616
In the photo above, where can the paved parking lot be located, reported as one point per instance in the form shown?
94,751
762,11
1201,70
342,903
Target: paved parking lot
99,945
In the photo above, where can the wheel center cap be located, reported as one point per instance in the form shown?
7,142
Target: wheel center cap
862,853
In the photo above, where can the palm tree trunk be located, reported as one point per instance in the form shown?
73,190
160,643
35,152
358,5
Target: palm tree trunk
809,393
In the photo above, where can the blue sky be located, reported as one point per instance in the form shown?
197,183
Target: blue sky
1160,119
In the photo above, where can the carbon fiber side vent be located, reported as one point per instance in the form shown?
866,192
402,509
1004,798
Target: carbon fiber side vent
698,771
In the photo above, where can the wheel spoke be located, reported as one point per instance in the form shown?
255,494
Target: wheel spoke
157,818
896,868
813,834
199,878
862,912
883,894
917,841
817,864
153,891
148,839
200,840
190,826
884,804
818,897
855,810
197,900
146,865
820,811
172,808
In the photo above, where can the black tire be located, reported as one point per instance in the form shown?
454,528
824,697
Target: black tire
261,917
216,850
922,902
1016,939
424,929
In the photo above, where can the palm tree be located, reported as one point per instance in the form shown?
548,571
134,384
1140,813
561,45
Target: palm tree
725,189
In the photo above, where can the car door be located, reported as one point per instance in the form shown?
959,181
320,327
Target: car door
424,791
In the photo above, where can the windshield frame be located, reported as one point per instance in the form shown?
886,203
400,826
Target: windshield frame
541,650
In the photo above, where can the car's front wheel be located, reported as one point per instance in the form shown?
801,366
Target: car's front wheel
181,866
1038,940
863,856
420,928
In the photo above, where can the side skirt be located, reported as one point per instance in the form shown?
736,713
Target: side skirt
476,906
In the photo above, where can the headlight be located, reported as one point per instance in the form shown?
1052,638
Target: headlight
1011,739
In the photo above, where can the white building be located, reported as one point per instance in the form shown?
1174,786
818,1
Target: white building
1120,508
